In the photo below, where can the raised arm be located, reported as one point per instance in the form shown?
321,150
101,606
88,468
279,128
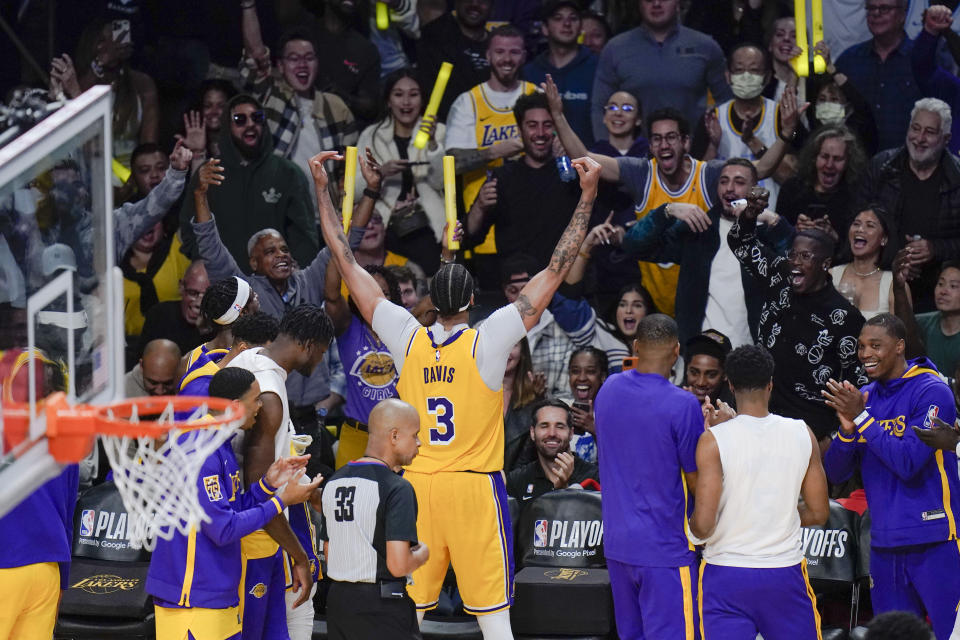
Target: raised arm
903,307
252,39
364,290
536,294
333,302
570,140
789,112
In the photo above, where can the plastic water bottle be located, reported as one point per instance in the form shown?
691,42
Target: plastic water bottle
565,169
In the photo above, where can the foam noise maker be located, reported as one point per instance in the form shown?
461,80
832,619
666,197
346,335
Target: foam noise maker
383,16
434,104
349,187
122,173
450,200
801,63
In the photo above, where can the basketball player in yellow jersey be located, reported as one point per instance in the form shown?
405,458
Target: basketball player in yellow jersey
481,128
671,175
453,375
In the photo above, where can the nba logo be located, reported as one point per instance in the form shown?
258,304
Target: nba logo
540,533
86,522
933,411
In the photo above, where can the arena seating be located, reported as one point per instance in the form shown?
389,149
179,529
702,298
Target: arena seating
562,588
105,597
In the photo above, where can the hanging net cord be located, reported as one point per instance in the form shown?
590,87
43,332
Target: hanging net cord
157,477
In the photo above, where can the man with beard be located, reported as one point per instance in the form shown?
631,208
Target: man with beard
556,467
672,175
482,132
713,291
304,336
459,37
919,185
264,191
913,490
528,191
806,325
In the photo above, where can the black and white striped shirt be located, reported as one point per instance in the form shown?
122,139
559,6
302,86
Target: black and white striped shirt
365,504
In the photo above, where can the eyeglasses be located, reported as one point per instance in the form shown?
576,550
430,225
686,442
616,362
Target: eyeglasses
193,294
240,119
671,138
805,257
626,108
297,59
881,9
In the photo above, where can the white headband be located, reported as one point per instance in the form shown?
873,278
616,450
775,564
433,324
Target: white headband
243,294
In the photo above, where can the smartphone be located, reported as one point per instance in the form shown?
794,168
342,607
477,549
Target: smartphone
629,362
583,406
121,31
417,163
817,211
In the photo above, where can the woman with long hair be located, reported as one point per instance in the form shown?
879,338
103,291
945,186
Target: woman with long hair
821,195
411,194
864,274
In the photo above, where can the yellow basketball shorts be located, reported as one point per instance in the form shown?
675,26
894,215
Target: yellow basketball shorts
28,601
198,623
464,519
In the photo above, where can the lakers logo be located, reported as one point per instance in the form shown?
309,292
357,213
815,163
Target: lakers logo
375,369
565,574
259,590
106,583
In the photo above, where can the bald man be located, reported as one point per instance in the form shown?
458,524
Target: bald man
155,374
369,529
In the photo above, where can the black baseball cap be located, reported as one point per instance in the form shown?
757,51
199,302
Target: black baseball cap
550,7
711,343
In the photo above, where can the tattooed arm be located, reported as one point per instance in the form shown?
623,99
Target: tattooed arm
536,294
364,290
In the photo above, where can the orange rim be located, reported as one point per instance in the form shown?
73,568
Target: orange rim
71,429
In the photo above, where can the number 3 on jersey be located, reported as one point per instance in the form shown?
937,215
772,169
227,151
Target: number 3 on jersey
442,410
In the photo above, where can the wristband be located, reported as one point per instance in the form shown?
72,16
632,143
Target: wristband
863,417
370,193
445,261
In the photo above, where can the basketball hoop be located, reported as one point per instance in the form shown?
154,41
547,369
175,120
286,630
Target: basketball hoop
155,444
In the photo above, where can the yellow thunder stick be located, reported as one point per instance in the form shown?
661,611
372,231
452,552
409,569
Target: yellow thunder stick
450,200
383,16
349,187
434,103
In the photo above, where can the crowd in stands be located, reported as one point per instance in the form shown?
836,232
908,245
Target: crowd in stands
687,105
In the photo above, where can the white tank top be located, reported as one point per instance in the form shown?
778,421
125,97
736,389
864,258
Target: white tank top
764,461
732,147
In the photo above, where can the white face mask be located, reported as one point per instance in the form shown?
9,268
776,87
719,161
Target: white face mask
746,85
830,112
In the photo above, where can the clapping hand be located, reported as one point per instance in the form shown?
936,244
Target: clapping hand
846,400
560,470
283,469
712,416
940,436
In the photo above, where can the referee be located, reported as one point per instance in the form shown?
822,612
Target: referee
369,529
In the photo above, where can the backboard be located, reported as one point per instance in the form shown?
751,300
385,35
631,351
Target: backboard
60,303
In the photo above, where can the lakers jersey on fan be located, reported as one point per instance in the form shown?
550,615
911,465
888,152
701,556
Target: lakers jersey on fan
461,419
661,279
731,145
493,125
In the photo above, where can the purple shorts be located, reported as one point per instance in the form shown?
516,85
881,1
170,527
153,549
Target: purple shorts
650,603
739,602
264,605
922,579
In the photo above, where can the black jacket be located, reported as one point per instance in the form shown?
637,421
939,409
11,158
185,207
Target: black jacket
660,238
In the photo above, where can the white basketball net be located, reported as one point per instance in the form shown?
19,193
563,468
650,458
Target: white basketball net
157,478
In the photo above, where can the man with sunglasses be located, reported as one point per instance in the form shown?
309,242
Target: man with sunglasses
807,326
881,70
264,190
